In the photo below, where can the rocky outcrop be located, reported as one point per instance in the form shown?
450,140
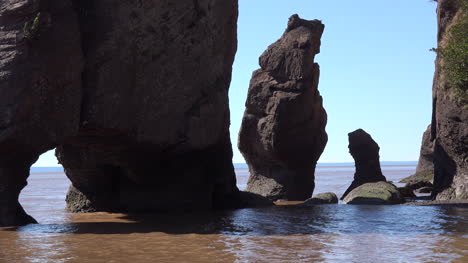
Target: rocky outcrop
283,130
424,175
154,131
419,178
134,95
426,156
41,63
407,192
449,128
365,152
321,199
379,193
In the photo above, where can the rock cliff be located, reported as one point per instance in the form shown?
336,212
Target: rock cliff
449,128
365,152
283,129
426,156
134,95
41,62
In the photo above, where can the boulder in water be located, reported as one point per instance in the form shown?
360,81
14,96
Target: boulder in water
321,199
379,193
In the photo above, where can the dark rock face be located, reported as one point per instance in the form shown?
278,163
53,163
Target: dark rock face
424,175
283,129
449,128
154,128
40,85
426,156
365,152
414,185
134,95
406,192
424,190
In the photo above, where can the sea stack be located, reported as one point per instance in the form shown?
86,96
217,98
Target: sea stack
283,129
449,128
365,152
133,94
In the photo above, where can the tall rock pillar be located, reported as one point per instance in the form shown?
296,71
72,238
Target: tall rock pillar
283,129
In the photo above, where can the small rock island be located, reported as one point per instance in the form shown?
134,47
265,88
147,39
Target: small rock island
365,152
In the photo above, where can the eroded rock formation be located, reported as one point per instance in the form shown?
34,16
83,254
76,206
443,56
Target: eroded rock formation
449,128
424,176
41,63
283,129
426,156
365,152
134,95
155,117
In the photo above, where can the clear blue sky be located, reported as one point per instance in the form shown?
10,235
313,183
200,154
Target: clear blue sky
376,69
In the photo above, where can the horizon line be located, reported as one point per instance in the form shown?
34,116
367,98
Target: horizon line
246,163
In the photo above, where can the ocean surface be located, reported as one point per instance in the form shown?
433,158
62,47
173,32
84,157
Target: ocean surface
324,233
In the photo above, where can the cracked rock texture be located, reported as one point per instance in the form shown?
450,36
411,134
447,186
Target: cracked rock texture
449,128
40,87
134,95
426,156
283,129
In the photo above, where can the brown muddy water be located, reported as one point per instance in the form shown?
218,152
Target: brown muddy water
324,233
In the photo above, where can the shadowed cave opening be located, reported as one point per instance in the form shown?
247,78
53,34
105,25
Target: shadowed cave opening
121,178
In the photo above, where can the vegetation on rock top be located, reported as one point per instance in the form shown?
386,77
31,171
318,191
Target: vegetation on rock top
455,55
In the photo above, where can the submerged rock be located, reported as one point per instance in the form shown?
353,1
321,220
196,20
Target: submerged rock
283,129
323,198
365,152
254,200
449,128
379,193
406,192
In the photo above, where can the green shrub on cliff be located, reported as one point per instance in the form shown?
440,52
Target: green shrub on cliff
455,55
31,29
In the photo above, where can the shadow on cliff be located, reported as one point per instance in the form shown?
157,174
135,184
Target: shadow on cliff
445,170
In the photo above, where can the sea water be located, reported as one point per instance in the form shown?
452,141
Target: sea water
323,233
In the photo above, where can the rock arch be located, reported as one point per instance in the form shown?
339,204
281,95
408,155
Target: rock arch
134,95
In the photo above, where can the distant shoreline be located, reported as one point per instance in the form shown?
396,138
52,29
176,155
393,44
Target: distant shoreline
59,169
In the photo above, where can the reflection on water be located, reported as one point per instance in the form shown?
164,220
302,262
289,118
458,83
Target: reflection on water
329,233
335,178
326,233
